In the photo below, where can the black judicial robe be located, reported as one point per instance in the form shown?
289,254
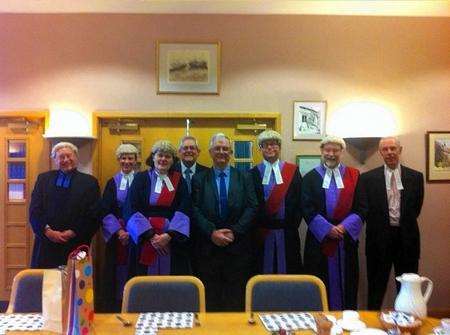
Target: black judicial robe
314,204
138,202
109,283
290,223
75,208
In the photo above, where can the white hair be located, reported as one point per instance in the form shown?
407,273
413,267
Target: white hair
397,141
61,145
216,137
334,140
268,135
187,137
124,149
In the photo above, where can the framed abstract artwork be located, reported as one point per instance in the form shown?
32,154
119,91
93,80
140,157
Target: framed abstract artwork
309,120
188,68
438,156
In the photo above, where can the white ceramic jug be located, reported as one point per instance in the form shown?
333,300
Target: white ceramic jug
410,298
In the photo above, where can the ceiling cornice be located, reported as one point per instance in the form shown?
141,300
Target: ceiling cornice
439,8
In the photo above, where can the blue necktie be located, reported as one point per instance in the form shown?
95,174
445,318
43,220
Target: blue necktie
187,174
223,197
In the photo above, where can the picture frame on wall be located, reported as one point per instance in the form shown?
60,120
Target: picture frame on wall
438,156
306,163
188,68
309,120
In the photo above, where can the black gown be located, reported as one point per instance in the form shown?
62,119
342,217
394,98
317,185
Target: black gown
75,208
342,285
115,268
138,202
289,225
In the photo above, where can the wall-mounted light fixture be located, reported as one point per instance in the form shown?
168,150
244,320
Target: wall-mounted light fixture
362,124
66,122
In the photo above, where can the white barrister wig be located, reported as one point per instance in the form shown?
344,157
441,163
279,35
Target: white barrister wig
333,139
124,149
269,135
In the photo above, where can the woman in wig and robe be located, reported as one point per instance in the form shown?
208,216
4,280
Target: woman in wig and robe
115,272
158,211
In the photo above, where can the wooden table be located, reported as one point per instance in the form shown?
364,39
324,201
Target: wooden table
230,324
221,323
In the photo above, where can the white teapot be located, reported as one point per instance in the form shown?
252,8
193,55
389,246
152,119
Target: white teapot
410,298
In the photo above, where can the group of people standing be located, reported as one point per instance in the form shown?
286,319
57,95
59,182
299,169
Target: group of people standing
224,225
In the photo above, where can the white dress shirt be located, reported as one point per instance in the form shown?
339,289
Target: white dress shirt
184,168
393,187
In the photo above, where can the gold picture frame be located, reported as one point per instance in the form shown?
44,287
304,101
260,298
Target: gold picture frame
438,156
188,68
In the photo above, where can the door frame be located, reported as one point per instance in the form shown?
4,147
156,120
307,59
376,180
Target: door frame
98,116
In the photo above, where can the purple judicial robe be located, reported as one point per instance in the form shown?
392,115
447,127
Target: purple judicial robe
319,225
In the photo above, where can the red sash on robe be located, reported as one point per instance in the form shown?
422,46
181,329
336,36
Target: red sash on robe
343,207
121,250
279,191
277,195
148,253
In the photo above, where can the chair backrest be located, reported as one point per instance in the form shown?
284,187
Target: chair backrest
285,293
26,292
163,294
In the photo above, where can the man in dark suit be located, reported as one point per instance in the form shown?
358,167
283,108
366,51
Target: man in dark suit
64,209
392,196
224,208
188,152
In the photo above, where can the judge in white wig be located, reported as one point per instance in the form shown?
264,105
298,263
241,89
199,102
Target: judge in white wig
277,185
330,209
115,272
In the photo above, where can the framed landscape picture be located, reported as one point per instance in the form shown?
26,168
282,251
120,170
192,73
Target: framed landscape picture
306,163
438,156
309,120
188,68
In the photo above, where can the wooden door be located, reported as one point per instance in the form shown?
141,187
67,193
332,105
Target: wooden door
173,129
23,155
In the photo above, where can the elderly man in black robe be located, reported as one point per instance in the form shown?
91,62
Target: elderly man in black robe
64,209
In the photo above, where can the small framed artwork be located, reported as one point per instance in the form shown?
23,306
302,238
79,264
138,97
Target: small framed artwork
188,68
309,120
306,163
438,156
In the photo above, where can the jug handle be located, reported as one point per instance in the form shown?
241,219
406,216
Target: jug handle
428,290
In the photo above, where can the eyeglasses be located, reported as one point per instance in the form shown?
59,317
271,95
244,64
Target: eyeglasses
189,147
270,144
223,149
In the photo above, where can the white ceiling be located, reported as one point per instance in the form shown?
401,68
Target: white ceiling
307,7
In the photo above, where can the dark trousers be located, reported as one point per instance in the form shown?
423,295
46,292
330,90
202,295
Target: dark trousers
378,269
224,276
